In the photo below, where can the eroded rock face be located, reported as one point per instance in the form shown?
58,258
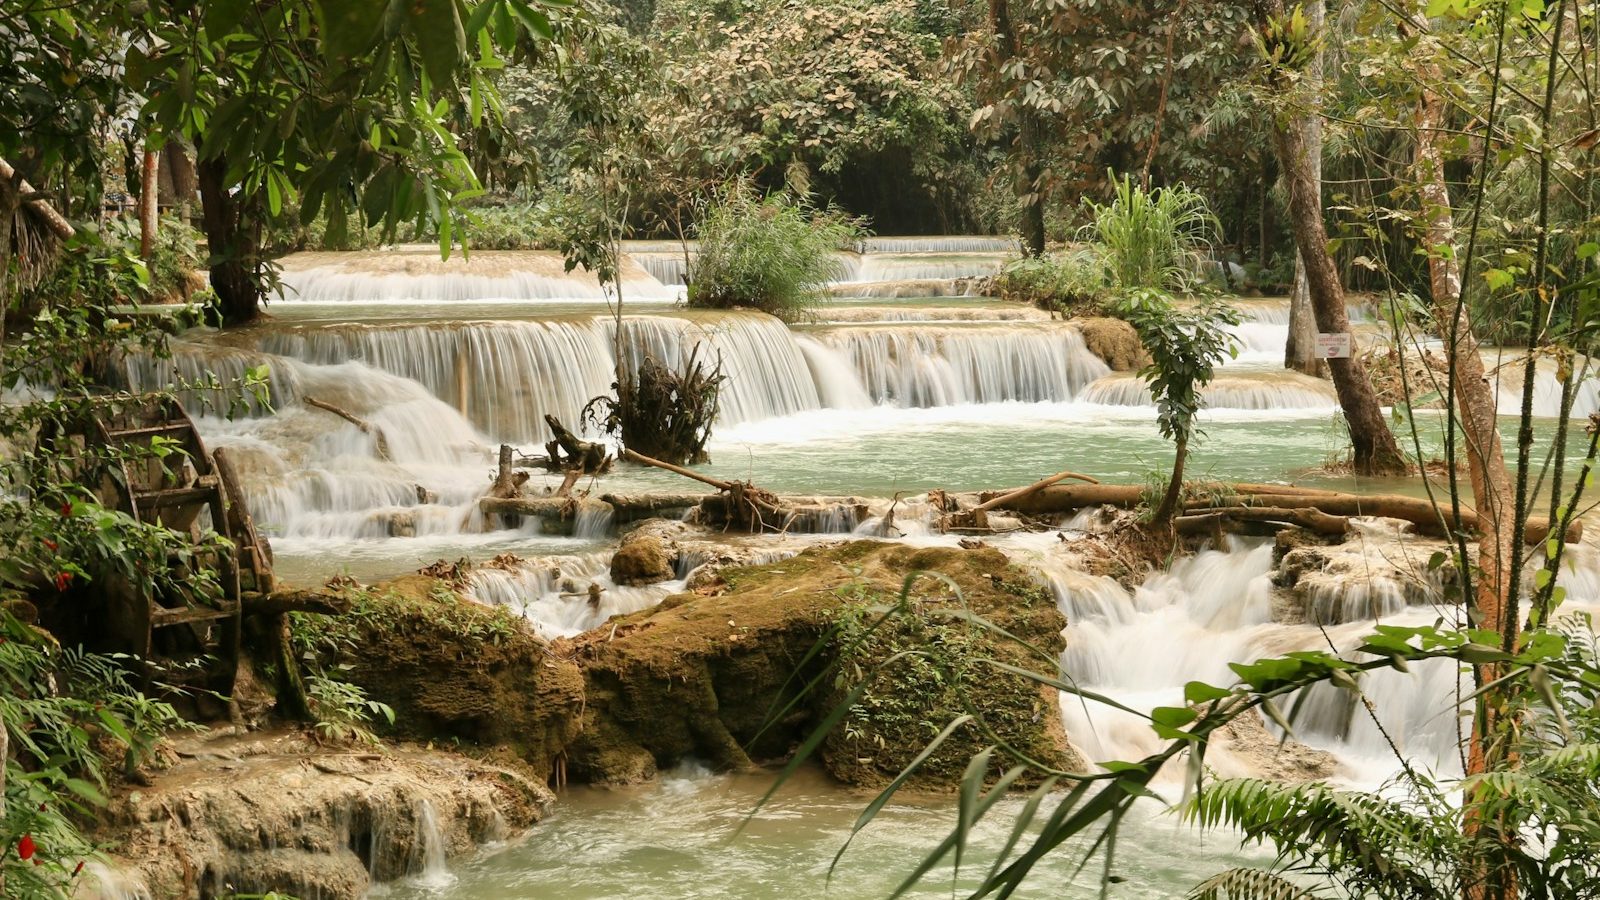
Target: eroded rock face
1244,748
1113,340
1377,570
249,815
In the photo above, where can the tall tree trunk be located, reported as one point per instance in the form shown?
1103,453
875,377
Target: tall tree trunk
232,244
1374,446
1375,449
1030,189
1300,351
1477,408
149,204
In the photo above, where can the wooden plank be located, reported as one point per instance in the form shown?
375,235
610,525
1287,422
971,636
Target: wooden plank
163,617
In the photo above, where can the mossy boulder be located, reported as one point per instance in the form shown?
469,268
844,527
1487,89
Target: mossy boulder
718,675
453,669
643,558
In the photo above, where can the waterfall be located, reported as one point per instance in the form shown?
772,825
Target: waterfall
1211,610
412,276
924,367
504,376
878,267
432,866
1228,390
837,385
103,882
941,244
1507,373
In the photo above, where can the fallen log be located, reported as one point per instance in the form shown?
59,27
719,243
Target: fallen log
1309,518
1428,518
1032,489
559,514
629,507
287,601
365,426
35,203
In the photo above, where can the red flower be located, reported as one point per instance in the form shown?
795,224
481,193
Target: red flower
66,510
25,847
77,868
50,545
62,580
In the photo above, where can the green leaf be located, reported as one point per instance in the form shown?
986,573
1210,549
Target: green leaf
1588,249
440,37
1173,716
1200,692
223,16
350,27
1497,279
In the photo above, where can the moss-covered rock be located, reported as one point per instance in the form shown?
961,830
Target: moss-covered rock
1113,340
453,669
643,558
718,676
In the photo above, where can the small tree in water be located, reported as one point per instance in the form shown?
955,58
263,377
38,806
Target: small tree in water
1185,346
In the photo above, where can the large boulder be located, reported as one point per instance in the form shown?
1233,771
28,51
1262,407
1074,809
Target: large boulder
643,558
700,675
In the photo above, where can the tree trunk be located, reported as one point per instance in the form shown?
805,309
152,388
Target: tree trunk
1029,190
149,204
1300,352
233,246
1375,450
1169,503
1477,408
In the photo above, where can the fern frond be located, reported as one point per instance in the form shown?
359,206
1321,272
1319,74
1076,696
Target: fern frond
1248,884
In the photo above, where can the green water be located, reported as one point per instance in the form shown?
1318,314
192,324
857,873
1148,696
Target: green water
679,837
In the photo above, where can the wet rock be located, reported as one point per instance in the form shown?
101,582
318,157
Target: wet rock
1377,570
1245,748
642,559
313,822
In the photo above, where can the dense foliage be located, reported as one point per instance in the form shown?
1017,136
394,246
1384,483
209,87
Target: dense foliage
769,253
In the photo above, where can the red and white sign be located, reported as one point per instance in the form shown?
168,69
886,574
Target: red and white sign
1333,346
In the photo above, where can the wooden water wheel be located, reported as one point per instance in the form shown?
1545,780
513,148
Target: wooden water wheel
158,471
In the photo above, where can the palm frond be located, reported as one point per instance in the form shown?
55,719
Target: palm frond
1248,884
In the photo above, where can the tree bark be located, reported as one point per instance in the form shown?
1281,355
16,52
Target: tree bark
233,244
1478,412
1030,192
149,204
1375,449
1299,353
1169,503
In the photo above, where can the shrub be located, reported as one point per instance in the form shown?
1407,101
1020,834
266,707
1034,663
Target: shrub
1152,239
774,254
1071,284
513,226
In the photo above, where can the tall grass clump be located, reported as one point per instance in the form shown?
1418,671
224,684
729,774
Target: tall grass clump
1152,239
771,253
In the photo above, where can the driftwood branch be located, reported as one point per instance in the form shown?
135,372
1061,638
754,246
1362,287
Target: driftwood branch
365,426
1031,489
35,204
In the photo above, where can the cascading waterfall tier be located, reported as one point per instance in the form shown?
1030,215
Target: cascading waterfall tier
418,276
934,366
1228,390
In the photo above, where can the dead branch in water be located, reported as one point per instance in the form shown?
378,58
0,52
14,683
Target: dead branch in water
365,426
745,505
